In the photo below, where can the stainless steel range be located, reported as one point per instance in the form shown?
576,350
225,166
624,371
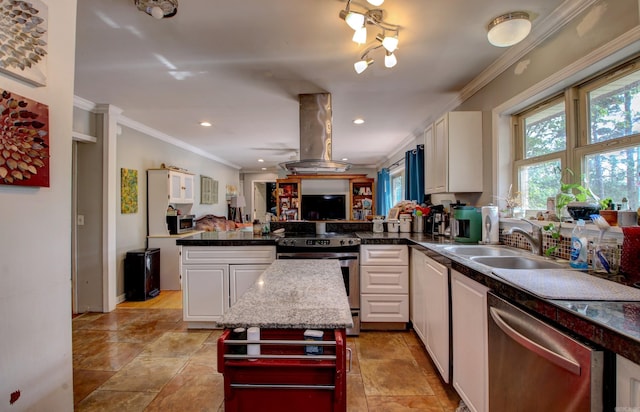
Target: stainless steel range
341,246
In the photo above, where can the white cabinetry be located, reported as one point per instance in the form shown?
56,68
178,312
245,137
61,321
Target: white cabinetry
170,260
215,276
180,187
167,187
204,298
469,331
241,278
417,286
627,384
453,153
430,308
384,283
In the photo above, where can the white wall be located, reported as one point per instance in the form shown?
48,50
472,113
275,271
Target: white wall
545,70
35,286
139,151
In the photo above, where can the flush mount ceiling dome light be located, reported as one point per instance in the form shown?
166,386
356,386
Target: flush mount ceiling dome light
509,29
388,39
158,9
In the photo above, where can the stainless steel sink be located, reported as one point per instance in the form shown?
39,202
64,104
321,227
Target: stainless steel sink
517,262
478,250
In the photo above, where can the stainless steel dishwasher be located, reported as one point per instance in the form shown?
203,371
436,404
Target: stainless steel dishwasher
534,367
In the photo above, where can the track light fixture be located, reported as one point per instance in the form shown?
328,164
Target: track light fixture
158,9
388,39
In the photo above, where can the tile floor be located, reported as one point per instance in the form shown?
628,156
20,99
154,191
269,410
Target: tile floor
141,357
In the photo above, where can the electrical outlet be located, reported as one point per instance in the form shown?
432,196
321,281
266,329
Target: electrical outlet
80,220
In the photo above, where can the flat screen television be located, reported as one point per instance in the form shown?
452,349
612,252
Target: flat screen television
323,207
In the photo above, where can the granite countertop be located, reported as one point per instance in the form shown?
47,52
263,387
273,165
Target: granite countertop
294,294
231,238
614,325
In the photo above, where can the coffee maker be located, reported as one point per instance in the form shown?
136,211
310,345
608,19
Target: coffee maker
468,224
436,221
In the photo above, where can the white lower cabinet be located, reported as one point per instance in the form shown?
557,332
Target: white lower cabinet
204,297
384,283
430,308
469,332
627,383
241,278
214,277
417,285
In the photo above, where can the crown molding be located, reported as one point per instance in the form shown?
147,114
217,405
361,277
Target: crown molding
125,121
92,107
556,20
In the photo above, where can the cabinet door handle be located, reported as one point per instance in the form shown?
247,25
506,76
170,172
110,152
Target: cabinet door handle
534,347
350,355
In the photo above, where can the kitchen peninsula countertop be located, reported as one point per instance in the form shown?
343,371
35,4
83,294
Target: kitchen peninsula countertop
294,294
612,325
231,238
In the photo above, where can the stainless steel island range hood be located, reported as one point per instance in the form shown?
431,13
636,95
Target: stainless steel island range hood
315,137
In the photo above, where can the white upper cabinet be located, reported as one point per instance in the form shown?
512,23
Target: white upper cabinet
453,153
180,187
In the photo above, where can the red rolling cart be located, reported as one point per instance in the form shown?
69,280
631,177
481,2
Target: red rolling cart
283,378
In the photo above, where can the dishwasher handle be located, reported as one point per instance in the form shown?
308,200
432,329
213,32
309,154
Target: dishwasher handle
538,349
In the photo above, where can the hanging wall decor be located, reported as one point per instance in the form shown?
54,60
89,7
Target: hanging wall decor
128,191
23,30
24,141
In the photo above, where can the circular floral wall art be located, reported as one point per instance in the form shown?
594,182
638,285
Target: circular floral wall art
24,141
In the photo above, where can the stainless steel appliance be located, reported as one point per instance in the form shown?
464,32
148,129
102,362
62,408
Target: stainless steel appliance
534,367
341,246
180,223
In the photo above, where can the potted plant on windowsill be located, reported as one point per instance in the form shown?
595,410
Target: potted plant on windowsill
578,201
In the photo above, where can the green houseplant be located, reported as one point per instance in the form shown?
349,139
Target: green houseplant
572,192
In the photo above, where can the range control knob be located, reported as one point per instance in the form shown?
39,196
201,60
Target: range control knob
341,242
351,242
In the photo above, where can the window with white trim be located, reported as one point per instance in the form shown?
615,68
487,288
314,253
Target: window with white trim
397,185
593,128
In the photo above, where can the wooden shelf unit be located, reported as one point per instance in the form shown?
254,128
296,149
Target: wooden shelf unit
362,198
360,205
288,198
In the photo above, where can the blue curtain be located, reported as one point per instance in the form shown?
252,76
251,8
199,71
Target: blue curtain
414,174
383,192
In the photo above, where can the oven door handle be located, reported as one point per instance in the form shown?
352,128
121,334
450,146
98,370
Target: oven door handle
318,255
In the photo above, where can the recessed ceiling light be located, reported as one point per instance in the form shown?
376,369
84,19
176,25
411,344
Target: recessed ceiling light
344,159
358,121
264,168
205,124
260,160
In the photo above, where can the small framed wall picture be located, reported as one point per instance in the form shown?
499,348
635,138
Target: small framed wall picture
208,190
394,212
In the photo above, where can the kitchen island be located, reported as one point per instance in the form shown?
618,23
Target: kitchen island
281,371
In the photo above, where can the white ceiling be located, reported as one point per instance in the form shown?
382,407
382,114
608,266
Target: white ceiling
242,64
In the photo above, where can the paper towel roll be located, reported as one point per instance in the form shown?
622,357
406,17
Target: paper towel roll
253,333
490,225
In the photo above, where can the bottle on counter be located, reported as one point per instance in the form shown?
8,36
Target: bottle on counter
579,245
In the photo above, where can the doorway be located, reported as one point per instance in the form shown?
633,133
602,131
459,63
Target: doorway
263,198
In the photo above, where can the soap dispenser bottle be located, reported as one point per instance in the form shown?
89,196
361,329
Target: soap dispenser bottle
578,259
